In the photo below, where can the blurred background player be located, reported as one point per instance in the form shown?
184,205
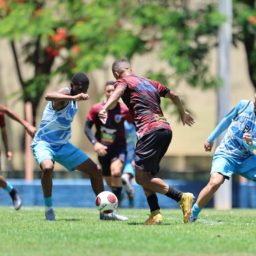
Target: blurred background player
142,97
129,166
109,140
17,203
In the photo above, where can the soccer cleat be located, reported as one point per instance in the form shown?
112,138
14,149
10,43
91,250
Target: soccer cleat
49,214
155,218
112,216
192,219
186,205
16,200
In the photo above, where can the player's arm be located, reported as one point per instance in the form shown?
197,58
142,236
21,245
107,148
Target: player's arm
186,118
88,132
99,148
223,124
63,95
113,99
29,128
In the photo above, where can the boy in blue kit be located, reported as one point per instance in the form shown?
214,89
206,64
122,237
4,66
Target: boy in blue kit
234,155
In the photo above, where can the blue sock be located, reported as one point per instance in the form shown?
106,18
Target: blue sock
195,211
48,202
8,187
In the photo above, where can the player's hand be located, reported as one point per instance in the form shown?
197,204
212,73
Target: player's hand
208,146
31,130
81,96
100,149
103,115
9,155
248,138
187,119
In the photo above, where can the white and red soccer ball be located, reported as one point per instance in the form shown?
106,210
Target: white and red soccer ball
106,202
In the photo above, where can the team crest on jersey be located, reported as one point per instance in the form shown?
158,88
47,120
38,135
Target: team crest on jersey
118,118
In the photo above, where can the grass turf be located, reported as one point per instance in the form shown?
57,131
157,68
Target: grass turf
78,231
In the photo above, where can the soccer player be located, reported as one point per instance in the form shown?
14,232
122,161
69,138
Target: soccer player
51,142
142,96
234,155
109,141
128,171
17,203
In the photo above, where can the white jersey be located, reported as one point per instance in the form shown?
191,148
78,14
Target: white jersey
55,126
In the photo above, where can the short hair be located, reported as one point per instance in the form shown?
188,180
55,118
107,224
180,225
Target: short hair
109,83
80,79
120,65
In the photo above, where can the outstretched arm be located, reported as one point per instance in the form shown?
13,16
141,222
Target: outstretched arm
29,128
113,99
186,118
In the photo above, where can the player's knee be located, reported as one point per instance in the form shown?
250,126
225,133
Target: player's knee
214,185
116,174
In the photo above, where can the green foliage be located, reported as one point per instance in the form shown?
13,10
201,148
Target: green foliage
81,34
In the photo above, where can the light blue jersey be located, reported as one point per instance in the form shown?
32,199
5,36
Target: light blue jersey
234,155
55,126
239,120
51,141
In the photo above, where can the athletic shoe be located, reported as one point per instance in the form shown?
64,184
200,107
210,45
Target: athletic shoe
186,205
112,216
155,218
49,214
16,200
192,219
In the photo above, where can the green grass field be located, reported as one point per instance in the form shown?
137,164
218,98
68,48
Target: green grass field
80,232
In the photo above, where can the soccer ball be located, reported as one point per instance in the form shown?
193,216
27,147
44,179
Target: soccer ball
106,202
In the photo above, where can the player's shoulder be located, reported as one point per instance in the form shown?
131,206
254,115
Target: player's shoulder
242,103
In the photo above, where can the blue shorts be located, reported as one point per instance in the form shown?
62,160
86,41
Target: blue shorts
67,155
227,167
129,168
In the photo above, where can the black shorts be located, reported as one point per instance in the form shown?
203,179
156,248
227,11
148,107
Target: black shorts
112,155
151,148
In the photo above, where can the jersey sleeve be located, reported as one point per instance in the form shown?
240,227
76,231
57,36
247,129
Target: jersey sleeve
162,90
2,120
92,114
226,121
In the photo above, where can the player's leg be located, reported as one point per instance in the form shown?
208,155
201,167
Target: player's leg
74,158
221,168
206,194
155,216
149,151
90,168
47,167
44,156
7,186
116,168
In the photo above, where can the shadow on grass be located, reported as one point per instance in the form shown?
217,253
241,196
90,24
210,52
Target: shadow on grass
142,224
69,219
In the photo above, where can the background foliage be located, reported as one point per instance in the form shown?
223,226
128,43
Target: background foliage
63,37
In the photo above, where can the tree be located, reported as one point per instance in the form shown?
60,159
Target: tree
245,31
81,34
